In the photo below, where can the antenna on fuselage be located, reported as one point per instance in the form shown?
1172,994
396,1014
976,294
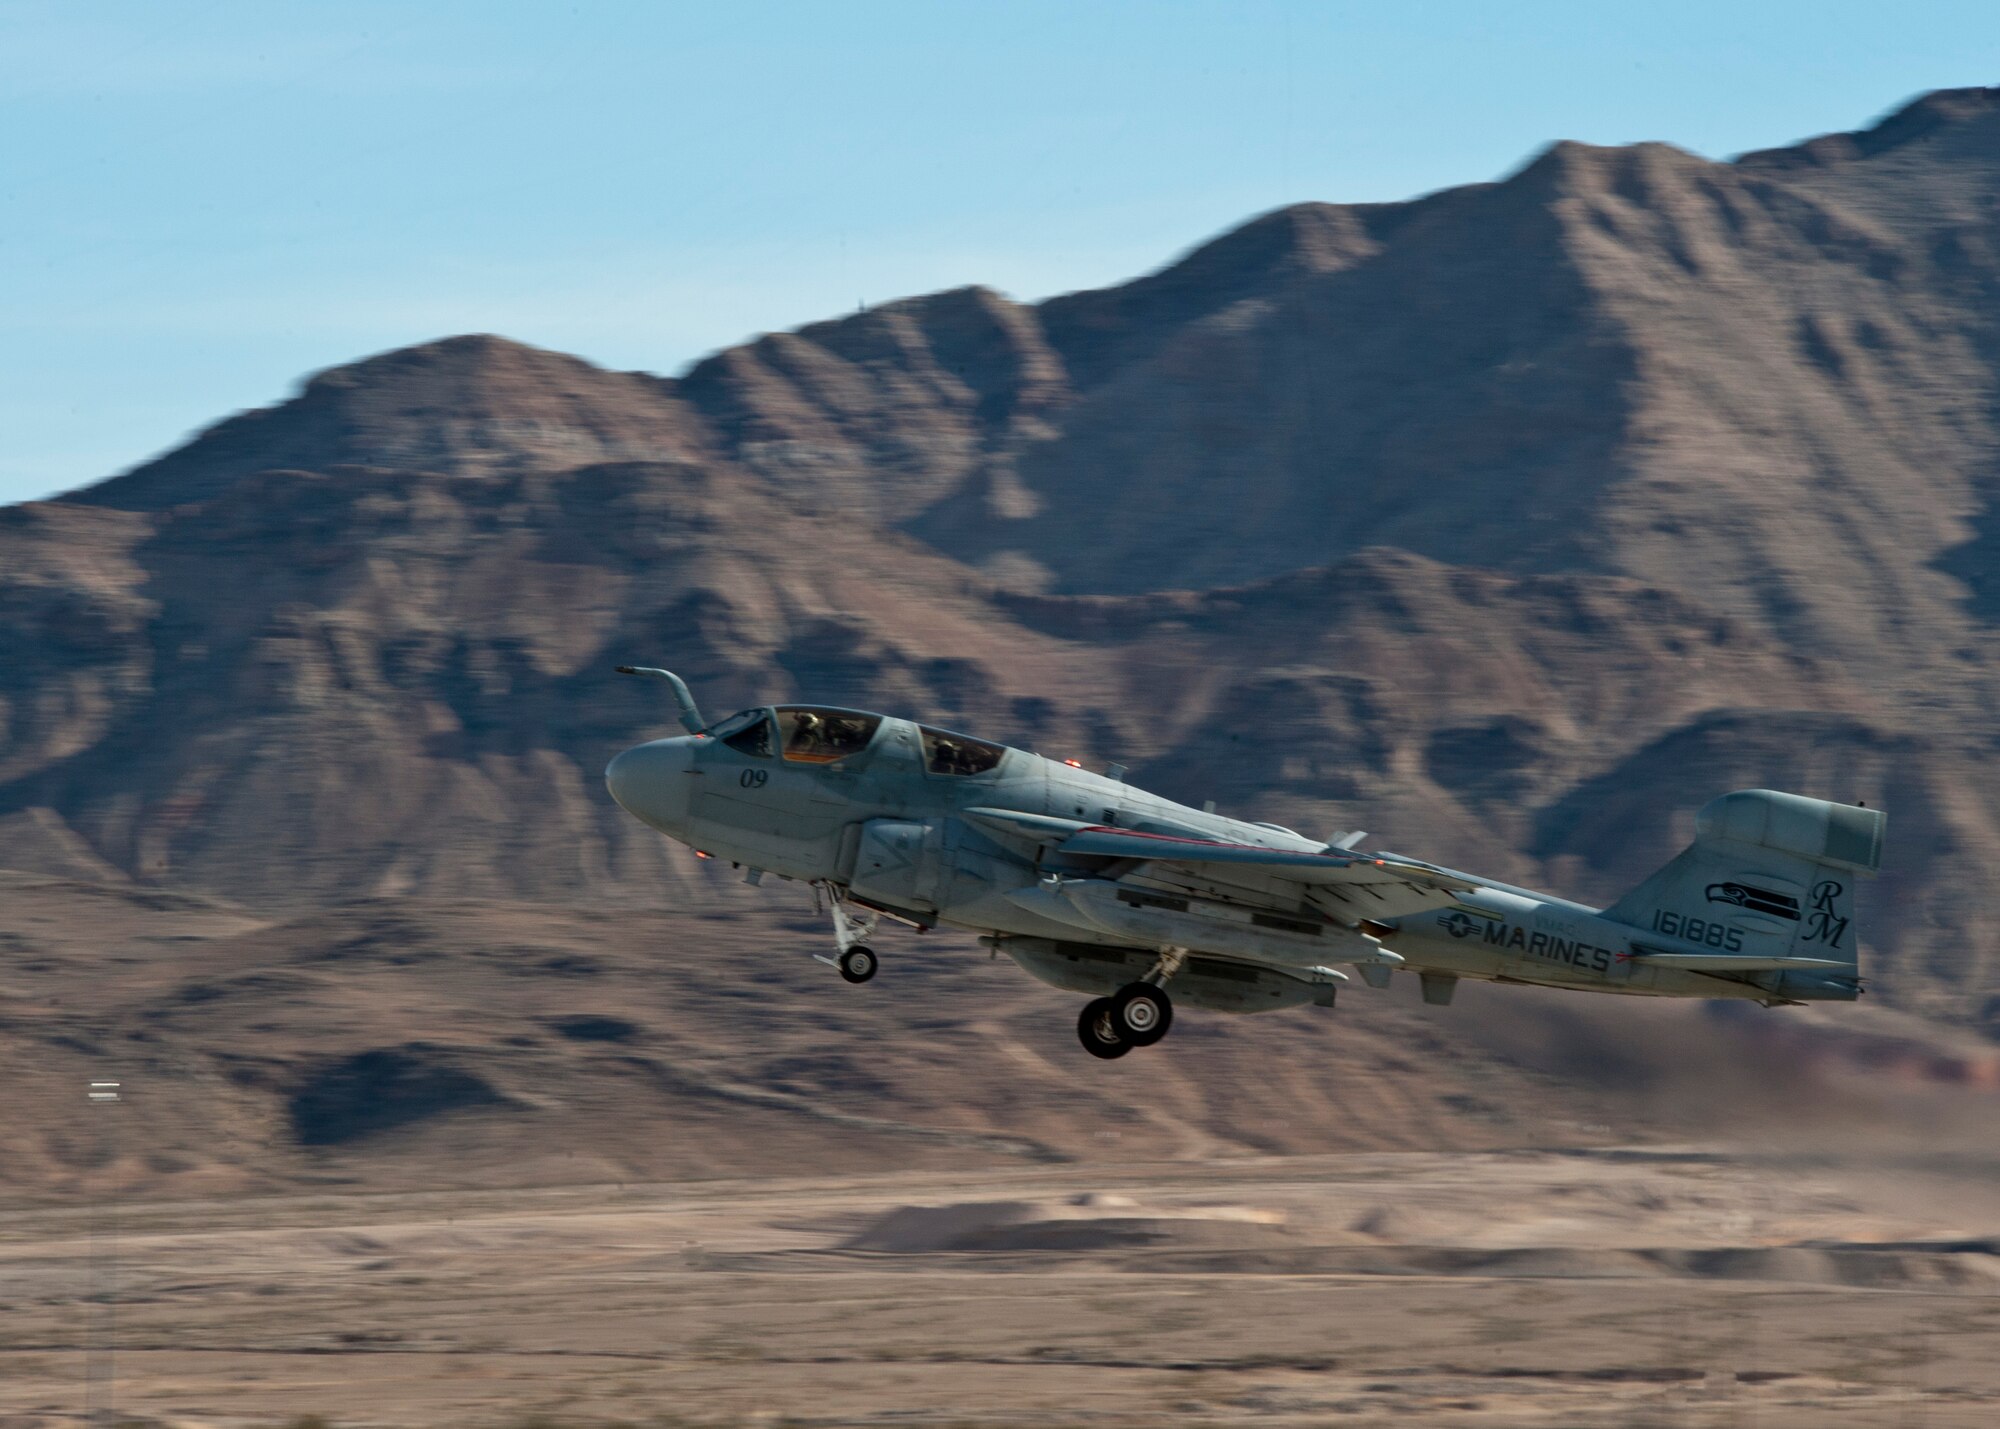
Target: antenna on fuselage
691,718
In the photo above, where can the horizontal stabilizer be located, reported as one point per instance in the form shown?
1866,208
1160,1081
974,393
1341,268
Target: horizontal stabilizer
1731,962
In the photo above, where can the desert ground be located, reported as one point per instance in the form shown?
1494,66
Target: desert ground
1641,1286
409,1163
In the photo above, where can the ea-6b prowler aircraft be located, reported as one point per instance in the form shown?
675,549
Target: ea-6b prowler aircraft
1106,890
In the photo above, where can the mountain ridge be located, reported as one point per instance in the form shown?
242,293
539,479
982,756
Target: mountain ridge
1506,521
1912,122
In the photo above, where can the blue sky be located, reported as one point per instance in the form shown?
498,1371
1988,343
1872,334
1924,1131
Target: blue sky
205,201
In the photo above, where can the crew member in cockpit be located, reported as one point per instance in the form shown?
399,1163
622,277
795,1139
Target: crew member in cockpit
808,735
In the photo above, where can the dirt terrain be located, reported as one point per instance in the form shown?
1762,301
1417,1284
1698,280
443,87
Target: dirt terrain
403,1044
396,1044
1636,1287
398,1162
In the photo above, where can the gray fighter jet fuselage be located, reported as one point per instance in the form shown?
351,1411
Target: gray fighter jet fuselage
1101,888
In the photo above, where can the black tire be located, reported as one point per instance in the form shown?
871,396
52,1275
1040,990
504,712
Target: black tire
1095,1029
1142,1013
858,963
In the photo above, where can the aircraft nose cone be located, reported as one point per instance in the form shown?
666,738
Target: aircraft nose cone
649,781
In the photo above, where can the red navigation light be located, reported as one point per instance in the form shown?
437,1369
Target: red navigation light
699,854
1074,763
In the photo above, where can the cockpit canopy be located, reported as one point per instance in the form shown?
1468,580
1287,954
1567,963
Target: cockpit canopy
805,734
948,753
746,731
809,735
815,734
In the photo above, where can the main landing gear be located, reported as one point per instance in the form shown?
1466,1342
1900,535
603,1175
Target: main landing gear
856,961
1137,1015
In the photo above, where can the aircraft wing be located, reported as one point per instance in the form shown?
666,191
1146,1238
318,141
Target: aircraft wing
1376,886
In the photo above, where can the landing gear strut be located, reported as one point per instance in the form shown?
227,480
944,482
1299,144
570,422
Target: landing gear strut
856,961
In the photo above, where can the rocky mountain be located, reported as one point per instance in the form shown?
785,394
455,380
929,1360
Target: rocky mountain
1511,522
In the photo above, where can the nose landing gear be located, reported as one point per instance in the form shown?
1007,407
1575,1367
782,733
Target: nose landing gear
857,964
856,961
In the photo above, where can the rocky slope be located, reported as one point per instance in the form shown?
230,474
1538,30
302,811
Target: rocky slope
411,1041
416,1043
1512,523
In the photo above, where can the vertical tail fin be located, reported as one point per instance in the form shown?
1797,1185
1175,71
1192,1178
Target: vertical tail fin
1770,874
